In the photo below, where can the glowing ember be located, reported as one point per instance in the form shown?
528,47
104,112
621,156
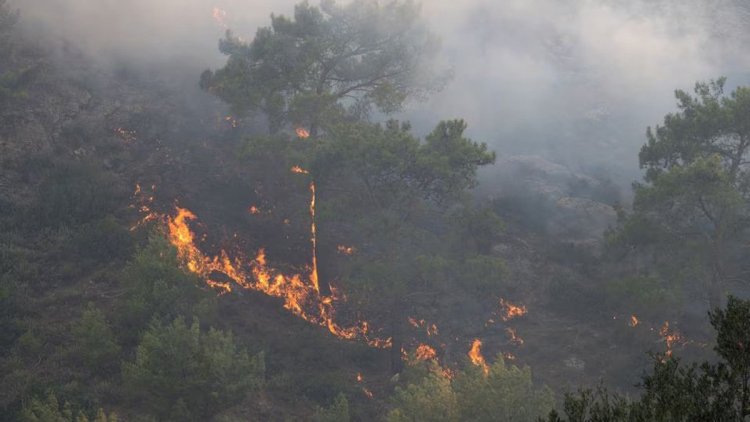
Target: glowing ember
345,250
475,354
220,17
510,311
125,135
232,121
670,336
145,206
514,338
299,170
302,133
431,329
634,321
509,356
425,352
254,210
359,377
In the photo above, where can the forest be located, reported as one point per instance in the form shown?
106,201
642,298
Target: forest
278,235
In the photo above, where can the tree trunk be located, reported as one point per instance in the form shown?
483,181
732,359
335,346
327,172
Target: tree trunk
397,340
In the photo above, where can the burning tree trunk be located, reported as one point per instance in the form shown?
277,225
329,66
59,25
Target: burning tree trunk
397,337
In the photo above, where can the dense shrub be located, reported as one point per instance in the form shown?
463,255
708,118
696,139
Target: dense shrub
181,373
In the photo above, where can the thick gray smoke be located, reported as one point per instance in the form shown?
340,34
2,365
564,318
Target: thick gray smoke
575,81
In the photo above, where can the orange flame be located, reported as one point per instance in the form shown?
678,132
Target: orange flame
425,352
220,17
431,329
514,338
301,295
299,170
634,321
510,311
475,354
345,250
670,336
302,133
254,210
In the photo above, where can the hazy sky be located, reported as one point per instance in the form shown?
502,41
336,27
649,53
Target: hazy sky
575,80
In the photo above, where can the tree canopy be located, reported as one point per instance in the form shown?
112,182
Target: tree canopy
693,205
328,62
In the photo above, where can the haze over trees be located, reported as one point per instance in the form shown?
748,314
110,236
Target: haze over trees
328,63
460,307
692,209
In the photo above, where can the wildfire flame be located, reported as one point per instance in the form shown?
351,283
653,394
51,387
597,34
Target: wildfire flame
475,354
346,250
634,321
300,293
145,206
302,133
254,210
425,352
299,170
220,16
514,338
510,311
670,336
431,329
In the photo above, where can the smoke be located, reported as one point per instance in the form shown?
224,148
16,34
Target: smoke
574,81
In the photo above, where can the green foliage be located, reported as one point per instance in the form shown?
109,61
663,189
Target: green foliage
328,62
75,193
432,399
102,241
674,391
505,393
181,373
694,204
94,342
156,287
338,411
640,295
49,410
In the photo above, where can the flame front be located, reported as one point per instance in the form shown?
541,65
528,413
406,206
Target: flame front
510,311
302,133
670,336
634,321
301,294
475,354
425,352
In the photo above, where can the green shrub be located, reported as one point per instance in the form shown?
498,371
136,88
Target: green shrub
181,373
338,411
102,241
94,342
49,410
76,193
504,393
156,287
